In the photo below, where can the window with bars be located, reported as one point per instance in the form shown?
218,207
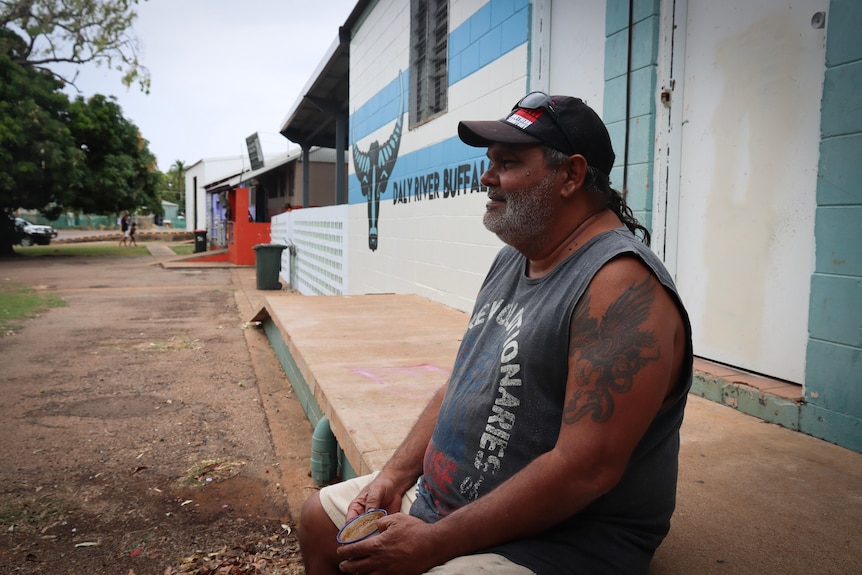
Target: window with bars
429,62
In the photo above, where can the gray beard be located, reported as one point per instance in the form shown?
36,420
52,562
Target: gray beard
525,219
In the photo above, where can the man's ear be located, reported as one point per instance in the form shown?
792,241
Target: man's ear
575,170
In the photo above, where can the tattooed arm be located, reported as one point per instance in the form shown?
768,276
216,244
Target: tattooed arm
626,348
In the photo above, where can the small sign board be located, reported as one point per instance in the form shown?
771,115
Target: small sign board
255,152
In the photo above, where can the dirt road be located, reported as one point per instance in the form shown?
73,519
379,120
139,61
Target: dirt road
135,429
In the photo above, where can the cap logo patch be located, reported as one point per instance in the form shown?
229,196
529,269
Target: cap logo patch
523,118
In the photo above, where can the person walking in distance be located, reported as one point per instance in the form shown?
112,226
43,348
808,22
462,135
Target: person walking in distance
124,227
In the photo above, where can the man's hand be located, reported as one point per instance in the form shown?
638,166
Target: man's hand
381,493
405,467
405,546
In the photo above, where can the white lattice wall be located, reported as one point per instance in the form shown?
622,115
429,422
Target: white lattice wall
316,261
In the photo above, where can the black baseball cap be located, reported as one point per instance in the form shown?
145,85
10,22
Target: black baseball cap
564,123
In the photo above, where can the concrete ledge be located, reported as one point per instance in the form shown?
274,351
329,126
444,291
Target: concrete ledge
752,497
774,401
367,363
762,403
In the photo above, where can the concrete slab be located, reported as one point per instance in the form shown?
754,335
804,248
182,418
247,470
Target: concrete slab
753,497
370,362
160,250
757,498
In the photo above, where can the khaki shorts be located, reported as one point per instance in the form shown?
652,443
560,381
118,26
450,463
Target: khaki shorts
335,499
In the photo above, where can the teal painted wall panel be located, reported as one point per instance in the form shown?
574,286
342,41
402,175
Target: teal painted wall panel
645,9
644,48
644,218
643,92
614,102
617,13
838,230
836,310
630,93
645,42
616,16
641,140
616,55
843,21
840,178
838,428
842,100
834,376
639,188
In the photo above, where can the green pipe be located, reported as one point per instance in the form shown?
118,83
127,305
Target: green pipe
324,453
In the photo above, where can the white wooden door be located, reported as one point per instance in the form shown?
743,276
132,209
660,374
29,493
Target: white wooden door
736,169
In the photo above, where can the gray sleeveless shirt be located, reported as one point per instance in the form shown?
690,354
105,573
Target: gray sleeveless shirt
503,408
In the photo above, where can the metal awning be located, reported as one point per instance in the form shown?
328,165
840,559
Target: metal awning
223,183
311,121
235,179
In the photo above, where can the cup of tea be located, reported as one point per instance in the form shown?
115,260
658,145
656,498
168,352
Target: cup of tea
360,527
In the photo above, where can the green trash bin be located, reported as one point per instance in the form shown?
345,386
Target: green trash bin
267,264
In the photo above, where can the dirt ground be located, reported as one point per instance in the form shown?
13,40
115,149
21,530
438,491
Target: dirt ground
135,430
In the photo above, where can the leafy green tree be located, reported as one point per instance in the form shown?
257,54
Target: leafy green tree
74,32
176,177
121,172
57,155
39,162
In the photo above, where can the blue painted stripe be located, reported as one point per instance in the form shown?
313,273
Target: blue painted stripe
447,169
494,30
381,109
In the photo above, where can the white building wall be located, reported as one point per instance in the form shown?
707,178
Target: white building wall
378,50
576,53
437,247
206,171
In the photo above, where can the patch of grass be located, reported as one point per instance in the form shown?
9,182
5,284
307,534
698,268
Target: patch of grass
19,302
183,250
209,470
173,343
29,515
102,249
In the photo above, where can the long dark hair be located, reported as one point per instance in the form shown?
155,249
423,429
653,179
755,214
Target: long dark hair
601,183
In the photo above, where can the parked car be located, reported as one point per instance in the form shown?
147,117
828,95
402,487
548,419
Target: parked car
35,233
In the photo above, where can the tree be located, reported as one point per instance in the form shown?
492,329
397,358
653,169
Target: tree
74,32
39,161
59,155
176,177
121,172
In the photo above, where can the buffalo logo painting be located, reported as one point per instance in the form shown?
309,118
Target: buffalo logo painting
374,167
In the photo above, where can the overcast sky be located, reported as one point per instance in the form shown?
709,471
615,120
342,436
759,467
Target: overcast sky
221,70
